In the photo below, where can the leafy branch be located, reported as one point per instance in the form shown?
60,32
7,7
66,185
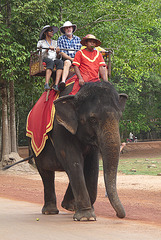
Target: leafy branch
99,20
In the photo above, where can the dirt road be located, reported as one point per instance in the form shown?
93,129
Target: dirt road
18,221
21,200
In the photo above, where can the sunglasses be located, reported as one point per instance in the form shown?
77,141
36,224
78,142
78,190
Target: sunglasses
50,30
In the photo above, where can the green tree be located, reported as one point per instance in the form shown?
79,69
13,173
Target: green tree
130,28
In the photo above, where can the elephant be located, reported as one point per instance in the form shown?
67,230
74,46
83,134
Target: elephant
85,125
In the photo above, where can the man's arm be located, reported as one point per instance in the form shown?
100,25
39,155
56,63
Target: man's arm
65,56
103,73
60,44
77,71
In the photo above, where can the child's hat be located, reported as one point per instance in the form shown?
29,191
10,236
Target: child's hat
90,37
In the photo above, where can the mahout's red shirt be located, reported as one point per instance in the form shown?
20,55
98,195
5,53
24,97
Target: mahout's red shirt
89,63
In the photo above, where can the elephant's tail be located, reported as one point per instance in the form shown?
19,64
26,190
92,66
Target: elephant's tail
23,160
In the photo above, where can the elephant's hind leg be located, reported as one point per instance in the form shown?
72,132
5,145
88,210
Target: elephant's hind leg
49,209
50,206
68,202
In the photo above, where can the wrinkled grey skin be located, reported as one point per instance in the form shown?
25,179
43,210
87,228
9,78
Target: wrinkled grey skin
84,125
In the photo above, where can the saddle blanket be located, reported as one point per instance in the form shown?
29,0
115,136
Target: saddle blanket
40,119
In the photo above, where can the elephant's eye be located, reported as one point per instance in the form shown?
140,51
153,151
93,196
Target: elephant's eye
93,120
82,120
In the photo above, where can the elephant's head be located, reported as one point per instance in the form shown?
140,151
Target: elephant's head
93,115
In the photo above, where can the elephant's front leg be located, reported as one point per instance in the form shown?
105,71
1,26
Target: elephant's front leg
83,206
91,171
50,206
75,171
70,156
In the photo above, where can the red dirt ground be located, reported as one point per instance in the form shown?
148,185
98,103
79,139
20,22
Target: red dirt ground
141,203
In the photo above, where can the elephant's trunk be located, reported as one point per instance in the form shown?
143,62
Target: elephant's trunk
110,150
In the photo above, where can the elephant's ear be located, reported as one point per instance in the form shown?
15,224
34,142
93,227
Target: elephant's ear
65,113
122,100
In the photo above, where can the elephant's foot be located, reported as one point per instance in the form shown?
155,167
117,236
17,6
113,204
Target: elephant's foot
50,209
70,206
85,215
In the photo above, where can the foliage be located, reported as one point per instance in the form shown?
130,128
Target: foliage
13,55
132,29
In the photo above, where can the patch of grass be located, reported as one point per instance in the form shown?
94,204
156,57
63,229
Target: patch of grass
138,166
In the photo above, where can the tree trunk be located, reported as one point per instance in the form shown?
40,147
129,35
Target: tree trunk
0,138
17,130
12,118
8,110
60,13
8,10
5,135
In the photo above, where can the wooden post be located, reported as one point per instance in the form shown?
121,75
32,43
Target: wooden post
109,64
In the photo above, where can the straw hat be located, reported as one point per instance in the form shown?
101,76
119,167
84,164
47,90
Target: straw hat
68,24
90,37
42,35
